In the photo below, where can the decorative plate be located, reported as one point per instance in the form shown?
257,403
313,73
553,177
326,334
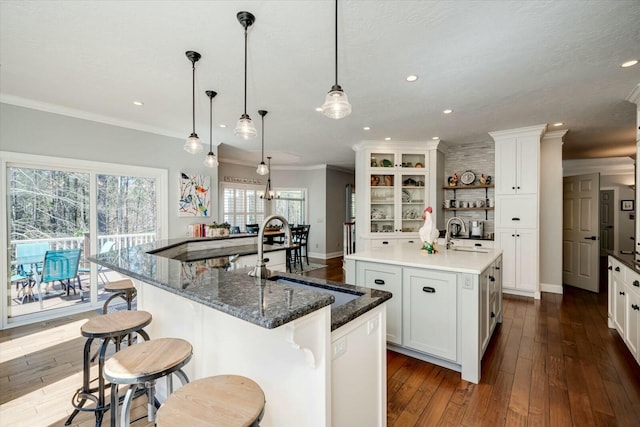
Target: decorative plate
406,197
468,178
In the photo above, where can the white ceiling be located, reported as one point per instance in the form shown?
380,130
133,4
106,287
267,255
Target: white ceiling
498,65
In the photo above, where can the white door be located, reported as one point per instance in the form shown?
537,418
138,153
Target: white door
580,247
606,222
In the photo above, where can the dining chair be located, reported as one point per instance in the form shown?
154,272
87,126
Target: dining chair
62,265
106,247
304,237
252,228
295,255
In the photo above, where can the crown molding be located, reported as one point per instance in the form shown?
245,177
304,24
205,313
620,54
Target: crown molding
434,144
606,166
634,95
537,130
556,134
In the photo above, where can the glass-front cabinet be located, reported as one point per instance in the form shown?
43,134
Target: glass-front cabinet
398,188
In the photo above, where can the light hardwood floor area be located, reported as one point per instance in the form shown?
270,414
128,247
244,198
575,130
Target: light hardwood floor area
552,362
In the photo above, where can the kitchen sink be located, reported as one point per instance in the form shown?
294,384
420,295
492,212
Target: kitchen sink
478,250
342,296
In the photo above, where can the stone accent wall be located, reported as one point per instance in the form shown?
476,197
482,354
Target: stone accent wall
479,157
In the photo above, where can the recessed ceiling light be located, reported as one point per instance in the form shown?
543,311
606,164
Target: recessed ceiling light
412,78
138,103
558,124
629,63
435,137
223,126
366,128
447,111
319,109
387,139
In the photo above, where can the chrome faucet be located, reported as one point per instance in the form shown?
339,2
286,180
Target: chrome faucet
260,270
463,229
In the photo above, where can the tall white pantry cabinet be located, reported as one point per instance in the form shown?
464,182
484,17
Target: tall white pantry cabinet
395,182
517,193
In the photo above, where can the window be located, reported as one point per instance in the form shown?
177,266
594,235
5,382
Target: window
291,205
242,205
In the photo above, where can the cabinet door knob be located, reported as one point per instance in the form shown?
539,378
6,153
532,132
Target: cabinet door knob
513,188
513,235
517,235
610,268
429,290
518,188
635,306
617,268
379,282
636,284
497,268
491,278
493,314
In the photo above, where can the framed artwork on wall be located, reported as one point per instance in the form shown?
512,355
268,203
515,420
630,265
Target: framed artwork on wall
194,195
627,205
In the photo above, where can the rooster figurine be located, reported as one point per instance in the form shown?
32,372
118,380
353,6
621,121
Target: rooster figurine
428,232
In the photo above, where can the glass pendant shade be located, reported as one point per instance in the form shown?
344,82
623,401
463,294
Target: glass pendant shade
262,169
336,104
211,161
245,128
192,145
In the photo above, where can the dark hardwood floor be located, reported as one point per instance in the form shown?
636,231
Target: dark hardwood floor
551,362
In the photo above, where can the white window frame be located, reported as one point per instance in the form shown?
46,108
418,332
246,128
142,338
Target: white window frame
305,203
232,185
10,159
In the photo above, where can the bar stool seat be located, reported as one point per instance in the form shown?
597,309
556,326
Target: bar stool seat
140,366
107,327
223,400
121,289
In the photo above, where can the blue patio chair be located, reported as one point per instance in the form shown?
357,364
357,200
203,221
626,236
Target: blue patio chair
62,265
29,257
106,247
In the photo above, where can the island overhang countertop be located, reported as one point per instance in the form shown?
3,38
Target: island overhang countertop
461,260
212,279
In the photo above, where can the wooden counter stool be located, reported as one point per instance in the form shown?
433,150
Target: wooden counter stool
140,366
223,400
121,289
107,327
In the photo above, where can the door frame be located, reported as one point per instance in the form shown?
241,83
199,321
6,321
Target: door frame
616,226
93,168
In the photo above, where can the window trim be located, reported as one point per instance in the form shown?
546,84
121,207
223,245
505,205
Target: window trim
305,192
9,159
233,185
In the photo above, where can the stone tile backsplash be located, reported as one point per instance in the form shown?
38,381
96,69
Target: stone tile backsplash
479,157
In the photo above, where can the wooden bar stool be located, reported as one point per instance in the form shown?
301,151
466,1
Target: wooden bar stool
223,400
140,366
107,327
121,289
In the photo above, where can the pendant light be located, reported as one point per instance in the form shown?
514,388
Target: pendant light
193,145
262,168
211,161
336,104
269,194
245,128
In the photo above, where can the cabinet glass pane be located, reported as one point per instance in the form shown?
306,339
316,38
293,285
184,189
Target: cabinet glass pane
413,160
383,160
413,191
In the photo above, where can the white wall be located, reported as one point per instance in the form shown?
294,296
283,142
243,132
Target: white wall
25,130
551,212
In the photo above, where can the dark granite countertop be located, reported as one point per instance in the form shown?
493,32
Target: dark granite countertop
629,261
217,283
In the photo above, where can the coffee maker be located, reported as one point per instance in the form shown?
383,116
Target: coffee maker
476,228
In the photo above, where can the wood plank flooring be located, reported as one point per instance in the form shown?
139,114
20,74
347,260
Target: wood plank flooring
552,362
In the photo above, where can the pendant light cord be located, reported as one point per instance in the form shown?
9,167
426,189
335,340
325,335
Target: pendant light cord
245,70
193,97
336,42
262,138
211,124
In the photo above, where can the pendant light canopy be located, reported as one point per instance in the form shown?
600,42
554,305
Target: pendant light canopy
336,104
245,127
192,145
211,161
262,168
269,194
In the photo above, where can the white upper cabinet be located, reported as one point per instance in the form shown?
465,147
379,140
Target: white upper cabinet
517,165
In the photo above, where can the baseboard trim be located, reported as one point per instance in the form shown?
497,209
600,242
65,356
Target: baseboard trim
551,288
325,256
530,294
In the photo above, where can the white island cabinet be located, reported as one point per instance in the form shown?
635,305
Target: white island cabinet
445,306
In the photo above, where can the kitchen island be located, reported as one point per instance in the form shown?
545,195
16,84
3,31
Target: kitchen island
445,306
317,348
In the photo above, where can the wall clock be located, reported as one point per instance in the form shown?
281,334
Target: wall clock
468,178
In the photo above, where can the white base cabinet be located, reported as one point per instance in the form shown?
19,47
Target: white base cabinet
624,304
520,260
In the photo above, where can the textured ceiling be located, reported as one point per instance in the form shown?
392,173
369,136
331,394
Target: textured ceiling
498,65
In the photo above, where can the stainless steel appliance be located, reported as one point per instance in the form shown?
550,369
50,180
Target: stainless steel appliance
476,228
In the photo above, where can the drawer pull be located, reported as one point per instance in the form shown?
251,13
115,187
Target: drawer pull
266,260
478,245
617,268
385,242
635,306
610,268
429,290
515,219
410,241
621,292
497,268
493,314
493,279
379,282
636,284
